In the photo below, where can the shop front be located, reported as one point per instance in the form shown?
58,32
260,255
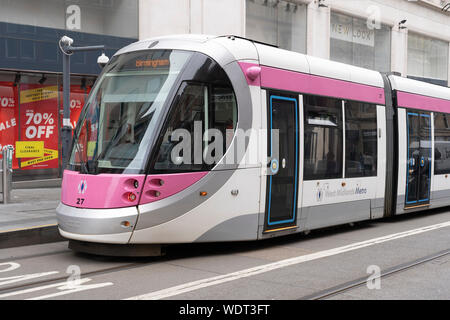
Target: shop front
31,72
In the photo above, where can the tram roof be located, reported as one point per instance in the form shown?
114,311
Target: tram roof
242,49
419,87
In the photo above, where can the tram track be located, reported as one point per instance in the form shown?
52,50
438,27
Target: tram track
320,295
60,277
32,256
350,285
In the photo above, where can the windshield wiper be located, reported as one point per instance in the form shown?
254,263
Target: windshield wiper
84,165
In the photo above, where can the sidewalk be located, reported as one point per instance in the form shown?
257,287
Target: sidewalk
30,217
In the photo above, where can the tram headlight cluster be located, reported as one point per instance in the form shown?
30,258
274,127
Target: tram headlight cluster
131,197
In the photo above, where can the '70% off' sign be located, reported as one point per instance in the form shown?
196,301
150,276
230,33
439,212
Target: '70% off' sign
39,125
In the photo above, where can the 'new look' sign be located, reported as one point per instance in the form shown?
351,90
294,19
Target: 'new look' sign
353,31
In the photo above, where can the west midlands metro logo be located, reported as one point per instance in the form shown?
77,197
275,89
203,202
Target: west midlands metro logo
82,186
319,194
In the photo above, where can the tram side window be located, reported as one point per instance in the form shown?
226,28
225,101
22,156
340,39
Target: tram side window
323,138
199,130
441,143
360,139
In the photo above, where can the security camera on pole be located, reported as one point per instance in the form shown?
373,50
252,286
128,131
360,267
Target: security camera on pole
65,44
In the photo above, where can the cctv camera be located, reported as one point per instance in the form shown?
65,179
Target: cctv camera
102,60
66,41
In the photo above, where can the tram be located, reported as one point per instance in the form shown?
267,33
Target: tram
195,138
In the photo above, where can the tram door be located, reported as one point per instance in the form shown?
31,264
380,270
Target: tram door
283,150
418,174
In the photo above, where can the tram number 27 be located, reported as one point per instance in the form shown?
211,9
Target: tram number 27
80,200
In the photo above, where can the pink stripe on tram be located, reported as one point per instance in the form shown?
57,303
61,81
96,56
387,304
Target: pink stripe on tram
101,191
247,70
311,84
160,186
415,101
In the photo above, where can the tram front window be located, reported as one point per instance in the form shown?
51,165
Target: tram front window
116,125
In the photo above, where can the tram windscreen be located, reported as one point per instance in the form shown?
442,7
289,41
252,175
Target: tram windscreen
119,118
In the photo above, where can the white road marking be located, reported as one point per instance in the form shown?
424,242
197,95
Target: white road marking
208,282
68,289
25,291
65,287
12,266
24,277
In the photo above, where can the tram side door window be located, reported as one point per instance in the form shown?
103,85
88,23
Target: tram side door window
418,166
282,182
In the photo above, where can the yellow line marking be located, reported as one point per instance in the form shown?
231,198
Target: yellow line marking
281,229
418,206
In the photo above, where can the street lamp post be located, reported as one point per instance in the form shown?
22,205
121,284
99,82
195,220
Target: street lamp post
65,44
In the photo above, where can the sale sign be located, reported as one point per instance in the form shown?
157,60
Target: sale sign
38,118
9,117
77,99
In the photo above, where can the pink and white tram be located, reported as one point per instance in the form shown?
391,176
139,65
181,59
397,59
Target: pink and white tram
351,145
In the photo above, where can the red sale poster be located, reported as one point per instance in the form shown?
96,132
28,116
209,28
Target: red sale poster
77,99
38,118
9,118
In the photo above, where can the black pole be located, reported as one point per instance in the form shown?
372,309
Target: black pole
65,43
66,132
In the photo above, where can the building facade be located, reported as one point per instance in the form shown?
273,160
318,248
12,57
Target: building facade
365,33
409,37
31,70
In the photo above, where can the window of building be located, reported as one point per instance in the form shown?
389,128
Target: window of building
281,23
114,18
323,138
360,139
30,29
354,42
427,59
199,130
441,143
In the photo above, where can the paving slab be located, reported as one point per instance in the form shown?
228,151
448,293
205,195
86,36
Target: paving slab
30,217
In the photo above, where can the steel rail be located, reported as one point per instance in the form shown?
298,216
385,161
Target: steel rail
347,286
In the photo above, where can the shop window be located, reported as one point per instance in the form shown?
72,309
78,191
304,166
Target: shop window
9,114
360,140
323,138
352,42
441,143
280,23
39,119
36,119
79,90
199,130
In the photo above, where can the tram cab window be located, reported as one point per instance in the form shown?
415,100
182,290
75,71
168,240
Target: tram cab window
441,143
120,117
199,130
360,139
323,138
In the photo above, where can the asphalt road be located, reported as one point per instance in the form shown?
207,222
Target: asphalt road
292,267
